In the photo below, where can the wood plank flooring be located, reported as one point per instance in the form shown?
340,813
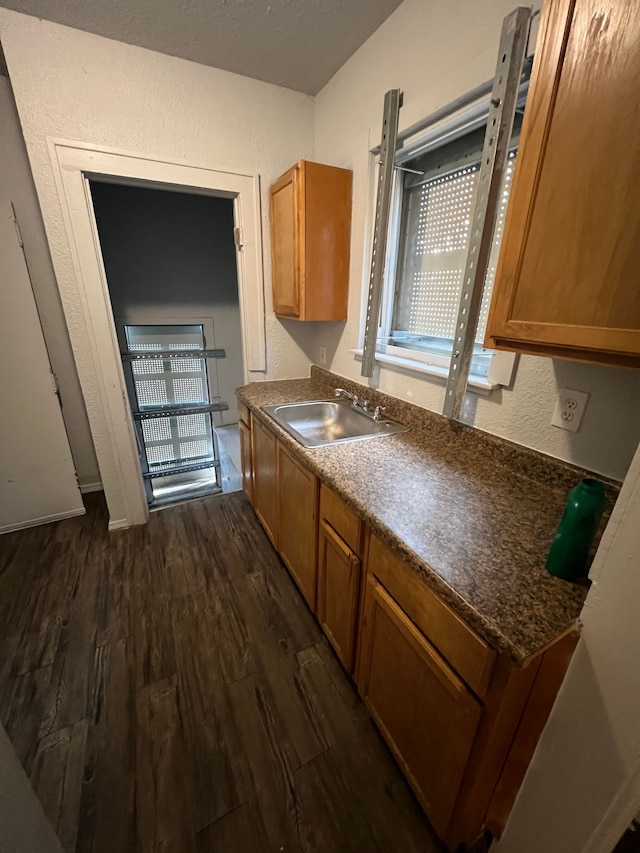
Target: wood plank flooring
167,689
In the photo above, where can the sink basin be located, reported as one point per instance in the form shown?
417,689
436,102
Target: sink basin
317,423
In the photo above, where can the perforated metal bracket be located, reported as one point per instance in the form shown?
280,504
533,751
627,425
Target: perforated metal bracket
504,96
392,104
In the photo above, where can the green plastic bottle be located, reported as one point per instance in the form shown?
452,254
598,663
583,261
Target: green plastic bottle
569,552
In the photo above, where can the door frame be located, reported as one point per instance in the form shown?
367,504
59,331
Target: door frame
87,306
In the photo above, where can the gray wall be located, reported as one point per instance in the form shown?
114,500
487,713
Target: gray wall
169,256
16,183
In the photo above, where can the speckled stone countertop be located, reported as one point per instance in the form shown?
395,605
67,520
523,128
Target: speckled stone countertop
473,514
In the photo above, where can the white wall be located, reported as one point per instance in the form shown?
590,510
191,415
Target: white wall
435,52
170,256
16,183
74,85
583,785
23,825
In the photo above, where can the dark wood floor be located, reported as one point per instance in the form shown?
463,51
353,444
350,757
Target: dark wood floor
167,689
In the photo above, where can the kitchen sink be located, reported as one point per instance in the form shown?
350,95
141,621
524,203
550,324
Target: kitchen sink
317,423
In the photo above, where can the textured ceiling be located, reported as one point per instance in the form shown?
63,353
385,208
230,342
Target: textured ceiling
299,45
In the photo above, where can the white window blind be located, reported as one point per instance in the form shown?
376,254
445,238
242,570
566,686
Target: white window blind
435,238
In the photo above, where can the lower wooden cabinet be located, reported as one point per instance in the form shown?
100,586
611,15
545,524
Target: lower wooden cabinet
245,459
426,713
339,572
265,483
297,520
462,721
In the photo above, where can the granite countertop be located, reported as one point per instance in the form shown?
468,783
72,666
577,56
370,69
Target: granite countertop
473,514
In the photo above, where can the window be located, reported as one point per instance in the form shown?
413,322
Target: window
433,203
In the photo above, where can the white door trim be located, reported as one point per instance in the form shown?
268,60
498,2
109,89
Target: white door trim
85,298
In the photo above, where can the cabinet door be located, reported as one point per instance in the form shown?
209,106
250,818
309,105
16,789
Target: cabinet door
339,572
423,709
297,517
265,491
567,280
245,458
287,223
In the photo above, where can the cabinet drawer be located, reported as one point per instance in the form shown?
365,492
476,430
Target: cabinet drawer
467,653
344,521
243,414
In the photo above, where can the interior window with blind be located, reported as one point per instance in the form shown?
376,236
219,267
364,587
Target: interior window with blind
435,198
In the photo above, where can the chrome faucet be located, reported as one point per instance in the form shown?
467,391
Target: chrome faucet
361,406
340,392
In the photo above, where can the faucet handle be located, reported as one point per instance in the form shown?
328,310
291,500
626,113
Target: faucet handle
377,412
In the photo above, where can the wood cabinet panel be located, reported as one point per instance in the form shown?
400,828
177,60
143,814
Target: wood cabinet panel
310,241
548,678
297,517
243,414
339,573
462,647
423,709
567,278
245,459
265,484
285,244
343,520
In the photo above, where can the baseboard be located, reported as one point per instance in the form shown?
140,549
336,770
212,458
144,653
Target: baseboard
118,524
45,519
95,486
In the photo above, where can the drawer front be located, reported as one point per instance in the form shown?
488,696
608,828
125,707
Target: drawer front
344,521
467,653
243,414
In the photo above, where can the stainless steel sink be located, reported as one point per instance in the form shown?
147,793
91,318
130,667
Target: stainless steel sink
316,423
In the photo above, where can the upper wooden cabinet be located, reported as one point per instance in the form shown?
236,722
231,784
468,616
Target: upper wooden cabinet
310,235
567,280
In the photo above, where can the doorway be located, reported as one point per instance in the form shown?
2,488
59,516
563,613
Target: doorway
170,265
86,304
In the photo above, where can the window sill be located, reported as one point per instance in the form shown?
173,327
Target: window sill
475,384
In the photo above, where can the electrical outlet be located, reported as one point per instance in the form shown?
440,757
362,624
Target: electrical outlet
323,355
570,409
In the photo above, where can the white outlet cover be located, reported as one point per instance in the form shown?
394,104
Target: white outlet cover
569,409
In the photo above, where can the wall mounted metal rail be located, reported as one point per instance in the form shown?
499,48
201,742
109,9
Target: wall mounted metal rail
511,70
495,152
392,104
